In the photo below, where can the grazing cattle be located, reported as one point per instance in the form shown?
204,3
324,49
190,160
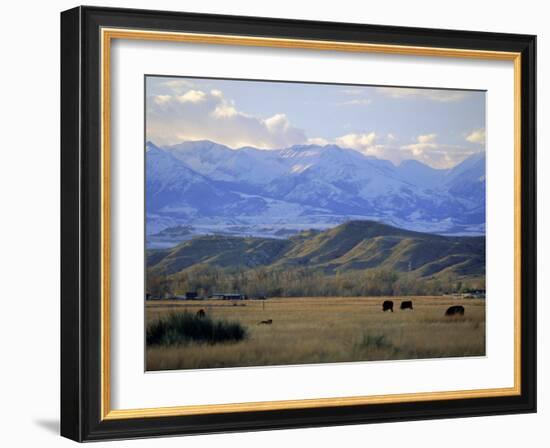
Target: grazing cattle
201,313
406,305
455,310
266,322
387,305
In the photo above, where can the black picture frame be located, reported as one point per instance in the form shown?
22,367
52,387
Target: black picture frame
81,224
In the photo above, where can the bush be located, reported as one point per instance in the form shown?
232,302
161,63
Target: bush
377,342
186,327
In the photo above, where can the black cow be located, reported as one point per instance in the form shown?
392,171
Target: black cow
266,322
406,305
387,305
201,313
455,310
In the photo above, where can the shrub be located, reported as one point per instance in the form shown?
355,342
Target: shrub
186,327
377,342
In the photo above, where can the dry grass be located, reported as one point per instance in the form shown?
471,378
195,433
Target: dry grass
320,329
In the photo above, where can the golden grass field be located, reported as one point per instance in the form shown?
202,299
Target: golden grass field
325,329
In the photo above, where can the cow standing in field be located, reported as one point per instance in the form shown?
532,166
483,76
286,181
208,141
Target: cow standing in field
406,305
456,310
387,305
266,322
201,313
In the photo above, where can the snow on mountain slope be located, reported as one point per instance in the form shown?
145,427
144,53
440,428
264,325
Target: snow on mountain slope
170,185
211,186
416,173
467,180
219,162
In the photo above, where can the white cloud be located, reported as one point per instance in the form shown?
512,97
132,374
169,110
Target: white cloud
161,99
370,144
195,114
438,155
191,96
225,109
426,138
439,95
360,100
359,142
318,141
477,136
176,85
356,102
178,110
426,149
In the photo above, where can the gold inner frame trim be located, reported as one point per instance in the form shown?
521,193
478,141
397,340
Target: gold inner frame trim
107,35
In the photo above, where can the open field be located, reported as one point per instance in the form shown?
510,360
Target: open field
324,329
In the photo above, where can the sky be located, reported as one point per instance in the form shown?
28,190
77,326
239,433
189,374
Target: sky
437,127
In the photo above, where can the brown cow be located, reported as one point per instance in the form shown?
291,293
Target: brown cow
455,310
201,313
406,305
387,305
266,322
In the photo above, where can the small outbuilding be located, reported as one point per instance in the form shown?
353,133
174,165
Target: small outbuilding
229,296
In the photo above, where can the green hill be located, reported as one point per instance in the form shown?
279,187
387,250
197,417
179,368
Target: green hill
350,247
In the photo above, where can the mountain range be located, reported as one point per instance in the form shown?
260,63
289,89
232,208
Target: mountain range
201,187
352,246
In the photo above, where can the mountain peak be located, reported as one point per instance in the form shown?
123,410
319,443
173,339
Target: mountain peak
149,145
313,184
371,228
412,163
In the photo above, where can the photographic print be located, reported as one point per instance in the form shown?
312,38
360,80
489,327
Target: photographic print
272,204
303,223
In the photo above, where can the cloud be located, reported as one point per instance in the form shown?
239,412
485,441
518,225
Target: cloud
438,155
174,85
358,142
356,102
358,92
181,110
438,95
477,136
425,149
320,141
194,114
426,138
191,96
370,144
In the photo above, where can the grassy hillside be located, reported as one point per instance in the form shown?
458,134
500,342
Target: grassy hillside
350,247
219,251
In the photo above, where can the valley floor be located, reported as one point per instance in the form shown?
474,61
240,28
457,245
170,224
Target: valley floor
312,330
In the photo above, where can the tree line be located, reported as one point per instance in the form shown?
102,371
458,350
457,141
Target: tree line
302,282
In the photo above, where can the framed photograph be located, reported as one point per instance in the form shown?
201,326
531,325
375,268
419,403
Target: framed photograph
273,223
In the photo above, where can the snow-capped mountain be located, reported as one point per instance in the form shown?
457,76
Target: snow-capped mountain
172,186
219,162
215,189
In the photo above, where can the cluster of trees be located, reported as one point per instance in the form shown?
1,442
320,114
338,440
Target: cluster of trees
302,282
